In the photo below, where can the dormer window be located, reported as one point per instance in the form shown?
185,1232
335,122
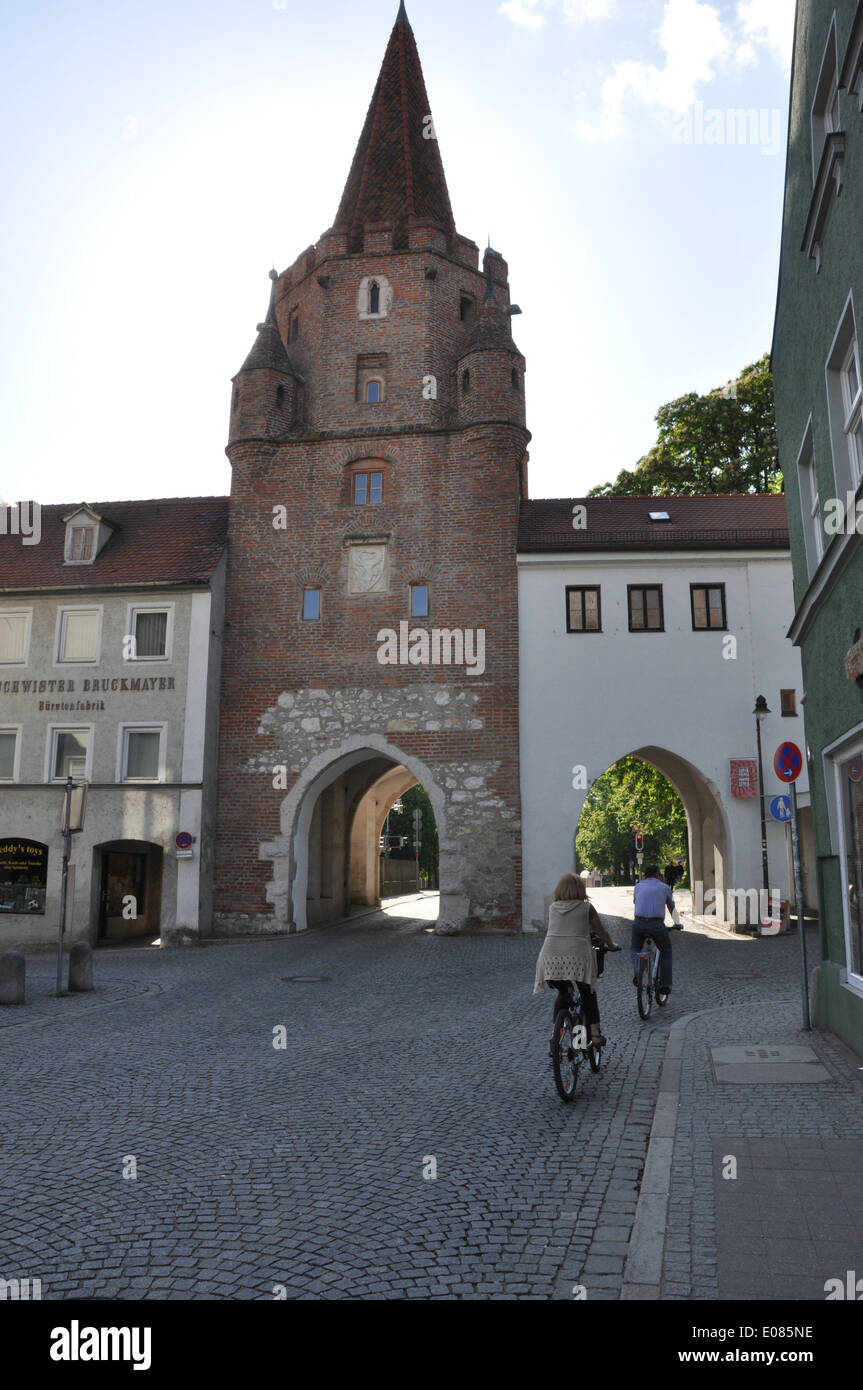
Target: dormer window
86,533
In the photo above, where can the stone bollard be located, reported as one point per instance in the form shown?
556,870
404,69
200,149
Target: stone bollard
13,969
80,968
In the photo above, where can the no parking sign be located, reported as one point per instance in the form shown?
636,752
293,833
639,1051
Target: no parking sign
788,763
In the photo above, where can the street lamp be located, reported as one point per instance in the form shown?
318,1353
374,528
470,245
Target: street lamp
761,711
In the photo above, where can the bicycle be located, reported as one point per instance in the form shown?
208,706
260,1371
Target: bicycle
571,1042
647,977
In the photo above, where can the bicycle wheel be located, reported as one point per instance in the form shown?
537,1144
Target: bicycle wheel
564,1056
593,1054
645,987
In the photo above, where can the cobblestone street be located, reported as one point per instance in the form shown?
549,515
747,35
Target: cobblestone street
303,1166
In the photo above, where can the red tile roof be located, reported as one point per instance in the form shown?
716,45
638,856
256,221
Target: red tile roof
729,522
168,541
396,173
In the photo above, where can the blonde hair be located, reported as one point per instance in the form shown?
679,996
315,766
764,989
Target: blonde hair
570,889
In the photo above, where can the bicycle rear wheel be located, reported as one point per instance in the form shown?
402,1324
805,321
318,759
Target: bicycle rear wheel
645,987
565,1057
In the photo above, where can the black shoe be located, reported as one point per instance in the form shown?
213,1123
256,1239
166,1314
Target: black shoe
662,995
635,979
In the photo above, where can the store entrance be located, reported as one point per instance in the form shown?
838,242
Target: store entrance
129,900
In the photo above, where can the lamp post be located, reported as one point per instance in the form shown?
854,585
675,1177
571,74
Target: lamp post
761,711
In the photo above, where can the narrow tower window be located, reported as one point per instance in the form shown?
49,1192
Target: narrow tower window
311,605
374,298
465,383
419,601
515,381
373,392
466,309
280,397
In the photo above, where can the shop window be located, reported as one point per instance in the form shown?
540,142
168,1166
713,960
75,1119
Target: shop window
23,876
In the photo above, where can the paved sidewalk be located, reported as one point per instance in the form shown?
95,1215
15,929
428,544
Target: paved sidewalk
766,1190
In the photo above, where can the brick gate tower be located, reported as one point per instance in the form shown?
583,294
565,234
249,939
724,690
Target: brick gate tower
378,447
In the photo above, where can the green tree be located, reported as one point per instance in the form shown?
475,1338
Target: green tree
630,796
719,443
402,823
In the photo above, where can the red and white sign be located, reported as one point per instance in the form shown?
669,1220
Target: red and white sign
744,777
184,840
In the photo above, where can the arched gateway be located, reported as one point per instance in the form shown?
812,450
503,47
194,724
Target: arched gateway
327,855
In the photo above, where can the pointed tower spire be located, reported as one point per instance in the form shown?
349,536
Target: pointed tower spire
397,172
269,350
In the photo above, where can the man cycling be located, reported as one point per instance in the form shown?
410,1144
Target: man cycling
652,897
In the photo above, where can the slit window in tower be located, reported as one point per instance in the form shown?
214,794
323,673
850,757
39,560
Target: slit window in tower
466,309
374,392
419,601
515,381
280,396
465,383
294,326
311,605
374,297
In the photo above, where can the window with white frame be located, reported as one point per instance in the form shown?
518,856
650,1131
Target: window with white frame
849,785
69,753
825,105
151,629
845,402
14,636
9,741
142,753
810,503
78,635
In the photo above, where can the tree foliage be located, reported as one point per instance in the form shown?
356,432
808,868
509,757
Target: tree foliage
719,443
402,823
630,796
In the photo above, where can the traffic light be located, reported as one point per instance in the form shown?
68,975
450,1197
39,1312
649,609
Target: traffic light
639,843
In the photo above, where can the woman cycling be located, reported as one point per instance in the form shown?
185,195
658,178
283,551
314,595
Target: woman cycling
567,952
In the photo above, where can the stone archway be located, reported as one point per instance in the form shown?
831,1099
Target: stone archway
708,832
312,876
366,828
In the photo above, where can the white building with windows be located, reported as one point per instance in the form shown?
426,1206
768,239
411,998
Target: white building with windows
648,627
110,643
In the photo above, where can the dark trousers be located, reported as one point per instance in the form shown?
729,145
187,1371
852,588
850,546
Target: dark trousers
589,1000
643,927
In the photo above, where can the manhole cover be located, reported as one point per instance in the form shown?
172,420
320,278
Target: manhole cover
766,1062
306,979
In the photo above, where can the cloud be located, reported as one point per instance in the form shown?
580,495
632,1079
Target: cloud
698,45
577,11
527,14
769,24
523,12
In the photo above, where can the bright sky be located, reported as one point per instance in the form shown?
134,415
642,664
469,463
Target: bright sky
159,157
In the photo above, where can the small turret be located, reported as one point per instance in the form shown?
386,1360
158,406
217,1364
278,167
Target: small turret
490,368
264,404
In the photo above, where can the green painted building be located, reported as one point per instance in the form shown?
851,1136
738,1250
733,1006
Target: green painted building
817,369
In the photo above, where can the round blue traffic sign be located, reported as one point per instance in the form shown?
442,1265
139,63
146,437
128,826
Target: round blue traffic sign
184,840
780,808
788,763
